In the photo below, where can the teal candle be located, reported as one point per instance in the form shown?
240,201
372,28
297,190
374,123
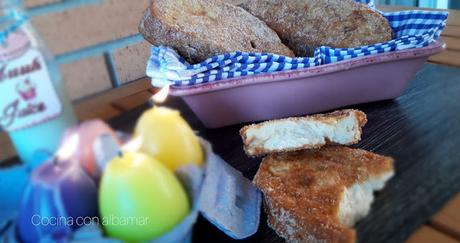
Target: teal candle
34,109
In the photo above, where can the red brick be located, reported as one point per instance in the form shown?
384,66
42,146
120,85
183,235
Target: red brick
86,77
90,24
130,61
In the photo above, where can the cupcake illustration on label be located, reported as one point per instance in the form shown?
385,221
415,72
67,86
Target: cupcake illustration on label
28,95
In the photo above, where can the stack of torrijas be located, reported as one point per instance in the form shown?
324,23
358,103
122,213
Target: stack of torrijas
315,188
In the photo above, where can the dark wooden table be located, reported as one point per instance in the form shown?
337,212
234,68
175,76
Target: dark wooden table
420,129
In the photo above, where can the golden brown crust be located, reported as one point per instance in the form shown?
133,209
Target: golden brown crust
199,29
303,190
304,25
326,118
293,228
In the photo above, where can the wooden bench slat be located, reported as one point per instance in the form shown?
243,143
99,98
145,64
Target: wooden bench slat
448,219
427,234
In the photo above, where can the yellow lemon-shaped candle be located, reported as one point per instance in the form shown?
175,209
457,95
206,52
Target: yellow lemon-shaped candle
167,137
140,198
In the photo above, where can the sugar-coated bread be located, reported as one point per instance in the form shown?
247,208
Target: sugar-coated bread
297,133
318,195
199,29
304,25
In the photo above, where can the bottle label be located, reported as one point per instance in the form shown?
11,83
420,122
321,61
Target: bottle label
27,95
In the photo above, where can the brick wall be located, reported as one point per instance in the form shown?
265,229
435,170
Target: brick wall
97,44
91,36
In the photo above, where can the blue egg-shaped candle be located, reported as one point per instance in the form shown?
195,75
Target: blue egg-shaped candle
59,198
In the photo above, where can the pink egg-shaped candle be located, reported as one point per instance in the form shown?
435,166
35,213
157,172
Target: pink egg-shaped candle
88,132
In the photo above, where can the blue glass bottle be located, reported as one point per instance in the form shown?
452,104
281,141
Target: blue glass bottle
34,109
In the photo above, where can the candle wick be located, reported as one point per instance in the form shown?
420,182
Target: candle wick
151,103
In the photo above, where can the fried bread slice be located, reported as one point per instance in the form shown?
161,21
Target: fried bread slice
340,127
199,29
318,195
304,25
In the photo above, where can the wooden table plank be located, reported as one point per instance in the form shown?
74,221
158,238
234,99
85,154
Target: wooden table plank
100,105
427,234
447,57
109,96
454,17
7,150
412,128
132,101
448,219
452,43
451,30
88,110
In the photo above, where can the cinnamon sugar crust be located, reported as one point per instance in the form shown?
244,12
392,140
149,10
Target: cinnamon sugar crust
304,25
303,190
199,29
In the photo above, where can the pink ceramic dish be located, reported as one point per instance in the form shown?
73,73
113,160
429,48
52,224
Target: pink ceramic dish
305,91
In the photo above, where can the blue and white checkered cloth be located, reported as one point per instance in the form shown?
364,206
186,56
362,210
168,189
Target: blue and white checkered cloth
412,29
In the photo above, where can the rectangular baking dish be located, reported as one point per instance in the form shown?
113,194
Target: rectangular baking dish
305,91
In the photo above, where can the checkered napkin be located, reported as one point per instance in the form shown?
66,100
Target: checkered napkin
166,67
412,29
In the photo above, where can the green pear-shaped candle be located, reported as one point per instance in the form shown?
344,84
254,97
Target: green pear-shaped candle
140,198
